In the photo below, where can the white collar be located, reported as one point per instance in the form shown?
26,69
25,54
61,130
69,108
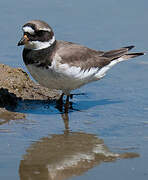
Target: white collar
38,45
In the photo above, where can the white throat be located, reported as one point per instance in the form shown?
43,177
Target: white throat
37,45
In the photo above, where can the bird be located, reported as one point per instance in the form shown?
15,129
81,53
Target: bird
62,65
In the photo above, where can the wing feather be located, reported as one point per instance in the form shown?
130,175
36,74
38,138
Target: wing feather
86,58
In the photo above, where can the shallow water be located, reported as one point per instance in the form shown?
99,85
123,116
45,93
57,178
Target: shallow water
104,135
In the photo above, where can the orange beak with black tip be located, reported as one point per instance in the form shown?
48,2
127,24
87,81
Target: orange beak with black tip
23,41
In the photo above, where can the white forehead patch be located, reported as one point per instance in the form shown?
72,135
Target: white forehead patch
28,29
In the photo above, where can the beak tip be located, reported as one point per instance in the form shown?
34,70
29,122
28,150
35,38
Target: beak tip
20,43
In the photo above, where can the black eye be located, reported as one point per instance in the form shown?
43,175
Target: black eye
28,34
40,33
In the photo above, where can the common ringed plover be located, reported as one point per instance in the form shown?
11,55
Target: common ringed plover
65,65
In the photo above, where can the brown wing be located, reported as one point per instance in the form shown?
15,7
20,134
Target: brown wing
80,56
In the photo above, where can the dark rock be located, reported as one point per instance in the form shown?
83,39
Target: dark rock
15,85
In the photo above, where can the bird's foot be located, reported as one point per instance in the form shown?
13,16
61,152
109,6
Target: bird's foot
60,100
61,105
66,106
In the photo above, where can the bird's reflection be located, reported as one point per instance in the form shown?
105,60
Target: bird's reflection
62,156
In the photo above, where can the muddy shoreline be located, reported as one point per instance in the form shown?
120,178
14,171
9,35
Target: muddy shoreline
16,86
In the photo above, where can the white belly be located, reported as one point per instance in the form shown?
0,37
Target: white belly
62,78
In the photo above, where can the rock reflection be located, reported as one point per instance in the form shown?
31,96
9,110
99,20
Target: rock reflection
65,155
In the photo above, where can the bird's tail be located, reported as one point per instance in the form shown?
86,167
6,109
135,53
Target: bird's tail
116,56
131,55
122,54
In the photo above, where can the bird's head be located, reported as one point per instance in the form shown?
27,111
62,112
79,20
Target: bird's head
37,35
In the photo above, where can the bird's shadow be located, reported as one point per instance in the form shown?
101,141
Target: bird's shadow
30,106
53,107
